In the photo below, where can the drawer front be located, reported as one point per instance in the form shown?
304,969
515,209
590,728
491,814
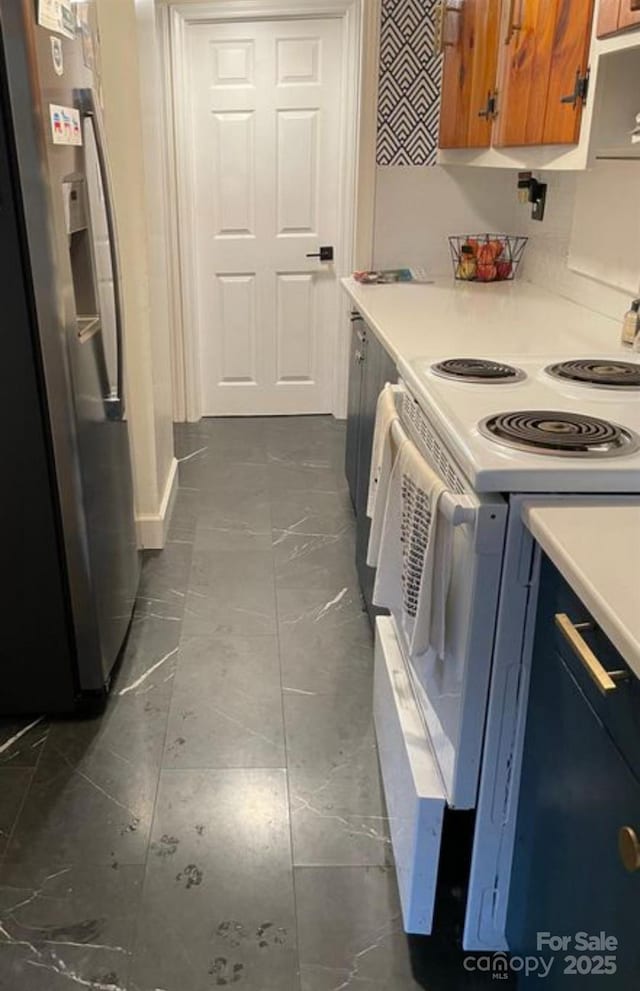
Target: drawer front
413,788
619,709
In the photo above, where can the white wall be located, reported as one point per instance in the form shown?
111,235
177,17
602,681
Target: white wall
418,207
151,93
126,85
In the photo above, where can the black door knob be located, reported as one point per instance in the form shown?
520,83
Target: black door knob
325,254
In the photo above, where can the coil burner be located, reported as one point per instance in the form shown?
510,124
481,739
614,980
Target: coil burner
599,372
477,370
559,433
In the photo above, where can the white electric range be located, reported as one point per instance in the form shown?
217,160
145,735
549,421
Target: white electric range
493,454
500,433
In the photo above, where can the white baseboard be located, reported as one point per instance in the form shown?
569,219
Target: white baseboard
152,527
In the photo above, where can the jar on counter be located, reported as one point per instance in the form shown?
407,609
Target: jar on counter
467,263
631,325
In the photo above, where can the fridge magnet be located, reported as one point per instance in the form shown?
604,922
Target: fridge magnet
86,35
56,56
57,15
65,125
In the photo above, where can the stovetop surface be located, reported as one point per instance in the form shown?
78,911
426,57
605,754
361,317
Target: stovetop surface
457,410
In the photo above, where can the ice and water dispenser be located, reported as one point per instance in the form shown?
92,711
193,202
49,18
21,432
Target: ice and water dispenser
77,219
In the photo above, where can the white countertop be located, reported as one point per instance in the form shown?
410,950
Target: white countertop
596,548
475,320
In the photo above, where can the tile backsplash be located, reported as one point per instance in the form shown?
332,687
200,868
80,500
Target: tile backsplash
573,233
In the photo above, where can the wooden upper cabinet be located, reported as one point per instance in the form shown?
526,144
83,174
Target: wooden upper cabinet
469,34
616,15
541,88
608,17
569,79
629,14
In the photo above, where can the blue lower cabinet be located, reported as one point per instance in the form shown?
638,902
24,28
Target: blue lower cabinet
371,367
574,903
354,400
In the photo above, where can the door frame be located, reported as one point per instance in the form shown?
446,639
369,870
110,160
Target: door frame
361,20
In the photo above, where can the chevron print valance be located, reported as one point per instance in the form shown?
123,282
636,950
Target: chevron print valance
409,84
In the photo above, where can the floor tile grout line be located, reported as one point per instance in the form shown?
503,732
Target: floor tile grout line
223,767
286,759
3,858
145,864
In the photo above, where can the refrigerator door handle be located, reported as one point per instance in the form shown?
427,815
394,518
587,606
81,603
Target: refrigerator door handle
90,110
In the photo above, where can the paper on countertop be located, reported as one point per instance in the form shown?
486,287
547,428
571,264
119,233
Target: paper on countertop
390,276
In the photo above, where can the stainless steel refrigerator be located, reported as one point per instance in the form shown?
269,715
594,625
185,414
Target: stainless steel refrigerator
69,557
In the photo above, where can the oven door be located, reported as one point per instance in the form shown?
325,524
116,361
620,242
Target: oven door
451,691
413,787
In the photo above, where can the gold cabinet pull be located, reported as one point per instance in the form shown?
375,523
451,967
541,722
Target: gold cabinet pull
604,680
629,848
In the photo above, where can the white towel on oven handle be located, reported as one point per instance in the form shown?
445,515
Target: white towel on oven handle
414,565
381,464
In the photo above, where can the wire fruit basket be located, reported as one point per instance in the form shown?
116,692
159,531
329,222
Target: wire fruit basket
486,257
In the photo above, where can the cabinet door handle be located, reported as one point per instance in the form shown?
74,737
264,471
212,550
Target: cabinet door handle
447,32
580,90
629,848
490,110
514,26
604,680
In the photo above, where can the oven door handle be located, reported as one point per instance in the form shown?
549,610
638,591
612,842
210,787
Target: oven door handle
457,509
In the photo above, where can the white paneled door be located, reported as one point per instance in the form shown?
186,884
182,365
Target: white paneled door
266,121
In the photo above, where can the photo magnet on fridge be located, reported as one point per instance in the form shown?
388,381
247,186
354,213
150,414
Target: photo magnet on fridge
57,15
65,125
57,56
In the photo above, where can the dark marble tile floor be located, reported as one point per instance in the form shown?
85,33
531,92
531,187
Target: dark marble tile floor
222,823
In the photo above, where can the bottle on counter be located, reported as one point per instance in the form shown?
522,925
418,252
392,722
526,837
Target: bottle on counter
631,324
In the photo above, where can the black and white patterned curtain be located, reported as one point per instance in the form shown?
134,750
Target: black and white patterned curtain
409,84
